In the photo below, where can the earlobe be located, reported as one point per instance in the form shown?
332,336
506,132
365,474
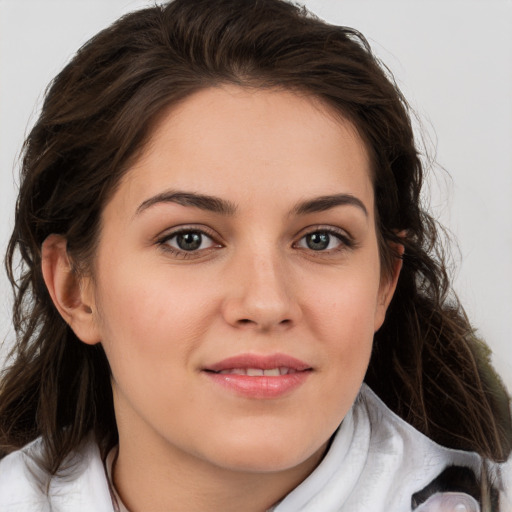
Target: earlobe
388,287
71,294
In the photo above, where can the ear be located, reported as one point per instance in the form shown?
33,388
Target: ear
387,287
72,295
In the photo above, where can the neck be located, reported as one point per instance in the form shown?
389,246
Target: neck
162,478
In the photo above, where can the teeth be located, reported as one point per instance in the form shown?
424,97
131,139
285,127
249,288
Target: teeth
255,372
258,372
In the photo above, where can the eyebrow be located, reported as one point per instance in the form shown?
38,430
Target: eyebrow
201,201
323,203
224,207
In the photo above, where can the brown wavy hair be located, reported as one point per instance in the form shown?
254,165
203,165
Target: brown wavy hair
427,364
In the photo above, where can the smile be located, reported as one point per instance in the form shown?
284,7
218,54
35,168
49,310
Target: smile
259,377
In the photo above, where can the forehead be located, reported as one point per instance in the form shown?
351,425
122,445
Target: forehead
238,142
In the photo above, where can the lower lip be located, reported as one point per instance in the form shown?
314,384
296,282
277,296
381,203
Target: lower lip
260,387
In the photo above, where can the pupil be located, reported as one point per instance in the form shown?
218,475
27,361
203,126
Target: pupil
189,241
318,241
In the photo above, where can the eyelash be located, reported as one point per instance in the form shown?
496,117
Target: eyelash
163,242
346,241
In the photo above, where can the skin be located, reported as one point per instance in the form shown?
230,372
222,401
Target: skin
253,286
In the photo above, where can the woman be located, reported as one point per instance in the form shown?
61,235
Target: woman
221,237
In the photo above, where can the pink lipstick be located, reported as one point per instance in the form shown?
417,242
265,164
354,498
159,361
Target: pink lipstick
259,376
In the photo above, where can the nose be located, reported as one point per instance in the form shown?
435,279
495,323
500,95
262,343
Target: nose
261,294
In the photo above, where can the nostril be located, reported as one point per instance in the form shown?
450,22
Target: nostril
247,322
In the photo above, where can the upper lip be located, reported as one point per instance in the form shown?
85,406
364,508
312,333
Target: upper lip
264,362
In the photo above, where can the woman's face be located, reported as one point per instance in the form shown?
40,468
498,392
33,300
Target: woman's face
237,284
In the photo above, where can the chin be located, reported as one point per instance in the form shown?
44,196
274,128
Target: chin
269,457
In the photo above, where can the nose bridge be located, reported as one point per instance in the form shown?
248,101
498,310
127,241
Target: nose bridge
260,291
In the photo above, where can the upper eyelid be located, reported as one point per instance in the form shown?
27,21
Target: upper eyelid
171,232
163,241
326,228
216,237
346,240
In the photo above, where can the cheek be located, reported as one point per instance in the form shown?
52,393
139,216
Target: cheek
346,305
341,322
341,316
150,314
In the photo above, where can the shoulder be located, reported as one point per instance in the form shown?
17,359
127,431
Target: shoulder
416,447
432,469
503,477
377,462
20,489
25,487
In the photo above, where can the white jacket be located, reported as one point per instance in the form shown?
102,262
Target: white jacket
376,463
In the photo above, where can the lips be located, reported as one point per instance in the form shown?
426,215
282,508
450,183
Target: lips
256,376
261,362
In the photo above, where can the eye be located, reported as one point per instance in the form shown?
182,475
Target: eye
187,240
324,240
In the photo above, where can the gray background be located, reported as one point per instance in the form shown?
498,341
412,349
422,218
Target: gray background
453,61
